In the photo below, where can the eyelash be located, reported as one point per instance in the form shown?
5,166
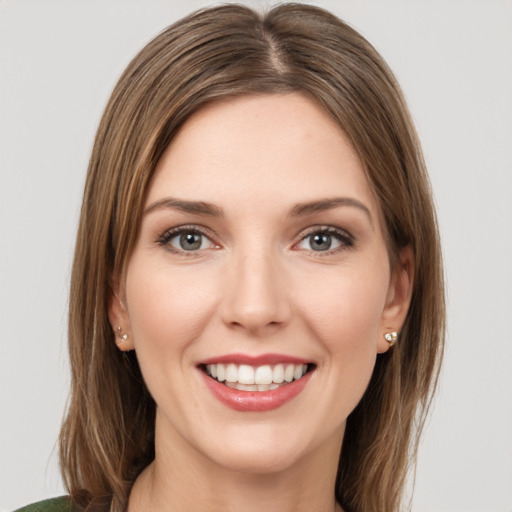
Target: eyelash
164,239
345,239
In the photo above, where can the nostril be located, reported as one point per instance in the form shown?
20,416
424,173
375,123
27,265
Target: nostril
256,328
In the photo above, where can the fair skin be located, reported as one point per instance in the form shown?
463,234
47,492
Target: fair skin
261,238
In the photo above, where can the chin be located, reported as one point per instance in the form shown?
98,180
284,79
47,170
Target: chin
270,451
258,461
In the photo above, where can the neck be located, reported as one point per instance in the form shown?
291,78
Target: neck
178,480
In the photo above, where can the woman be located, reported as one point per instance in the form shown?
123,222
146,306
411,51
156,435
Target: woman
256,312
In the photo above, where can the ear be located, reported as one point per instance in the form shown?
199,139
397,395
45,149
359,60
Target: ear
120,321
398,298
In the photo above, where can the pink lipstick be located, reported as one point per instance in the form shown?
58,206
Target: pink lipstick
262,383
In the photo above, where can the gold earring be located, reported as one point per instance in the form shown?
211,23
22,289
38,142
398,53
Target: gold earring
123,337
391,338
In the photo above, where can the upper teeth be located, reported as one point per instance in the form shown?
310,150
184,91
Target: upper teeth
266,374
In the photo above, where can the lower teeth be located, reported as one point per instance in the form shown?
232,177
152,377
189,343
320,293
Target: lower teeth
253,387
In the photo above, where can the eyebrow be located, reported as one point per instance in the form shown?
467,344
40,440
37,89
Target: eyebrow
327,204
300,209
199,207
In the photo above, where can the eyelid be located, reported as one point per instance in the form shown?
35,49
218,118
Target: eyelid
346,239
164,238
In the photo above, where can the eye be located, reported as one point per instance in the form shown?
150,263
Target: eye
189,241
326,240
186,239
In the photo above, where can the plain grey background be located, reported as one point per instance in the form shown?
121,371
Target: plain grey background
58,63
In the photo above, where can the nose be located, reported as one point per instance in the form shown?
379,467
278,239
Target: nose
255,296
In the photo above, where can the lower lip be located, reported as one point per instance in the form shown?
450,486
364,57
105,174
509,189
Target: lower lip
256,401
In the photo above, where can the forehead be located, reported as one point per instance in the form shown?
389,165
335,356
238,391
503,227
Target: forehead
263,147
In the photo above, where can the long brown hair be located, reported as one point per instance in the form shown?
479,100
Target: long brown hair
108,435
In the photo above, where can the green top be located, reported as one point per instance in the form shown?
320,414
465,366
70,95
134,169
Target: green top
61,504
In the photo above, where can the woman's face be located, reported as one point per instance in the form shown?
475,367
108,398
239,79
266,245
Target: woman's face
261,260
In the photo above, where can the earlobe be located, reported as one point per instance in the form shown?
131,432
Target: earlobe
398,299
123,341
120,323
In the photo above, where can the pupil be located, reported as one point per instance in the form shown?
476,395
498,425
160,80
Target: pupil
190,241
321,242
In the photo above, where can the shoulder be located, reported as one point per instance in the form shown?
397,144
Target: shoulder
61,504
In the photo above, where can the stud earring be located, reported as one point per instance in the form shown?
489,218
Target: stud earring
391,338
123,337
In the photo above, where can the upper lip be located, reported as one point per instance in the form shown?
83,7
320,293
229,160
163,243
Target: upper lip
263,359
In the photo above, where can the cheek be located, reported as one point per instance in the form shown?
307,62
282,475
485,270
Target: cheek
167,313
343,311
345,308
346,319
167,310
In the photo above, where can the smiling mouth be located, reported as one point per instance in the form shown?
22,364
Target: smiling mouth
245,377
